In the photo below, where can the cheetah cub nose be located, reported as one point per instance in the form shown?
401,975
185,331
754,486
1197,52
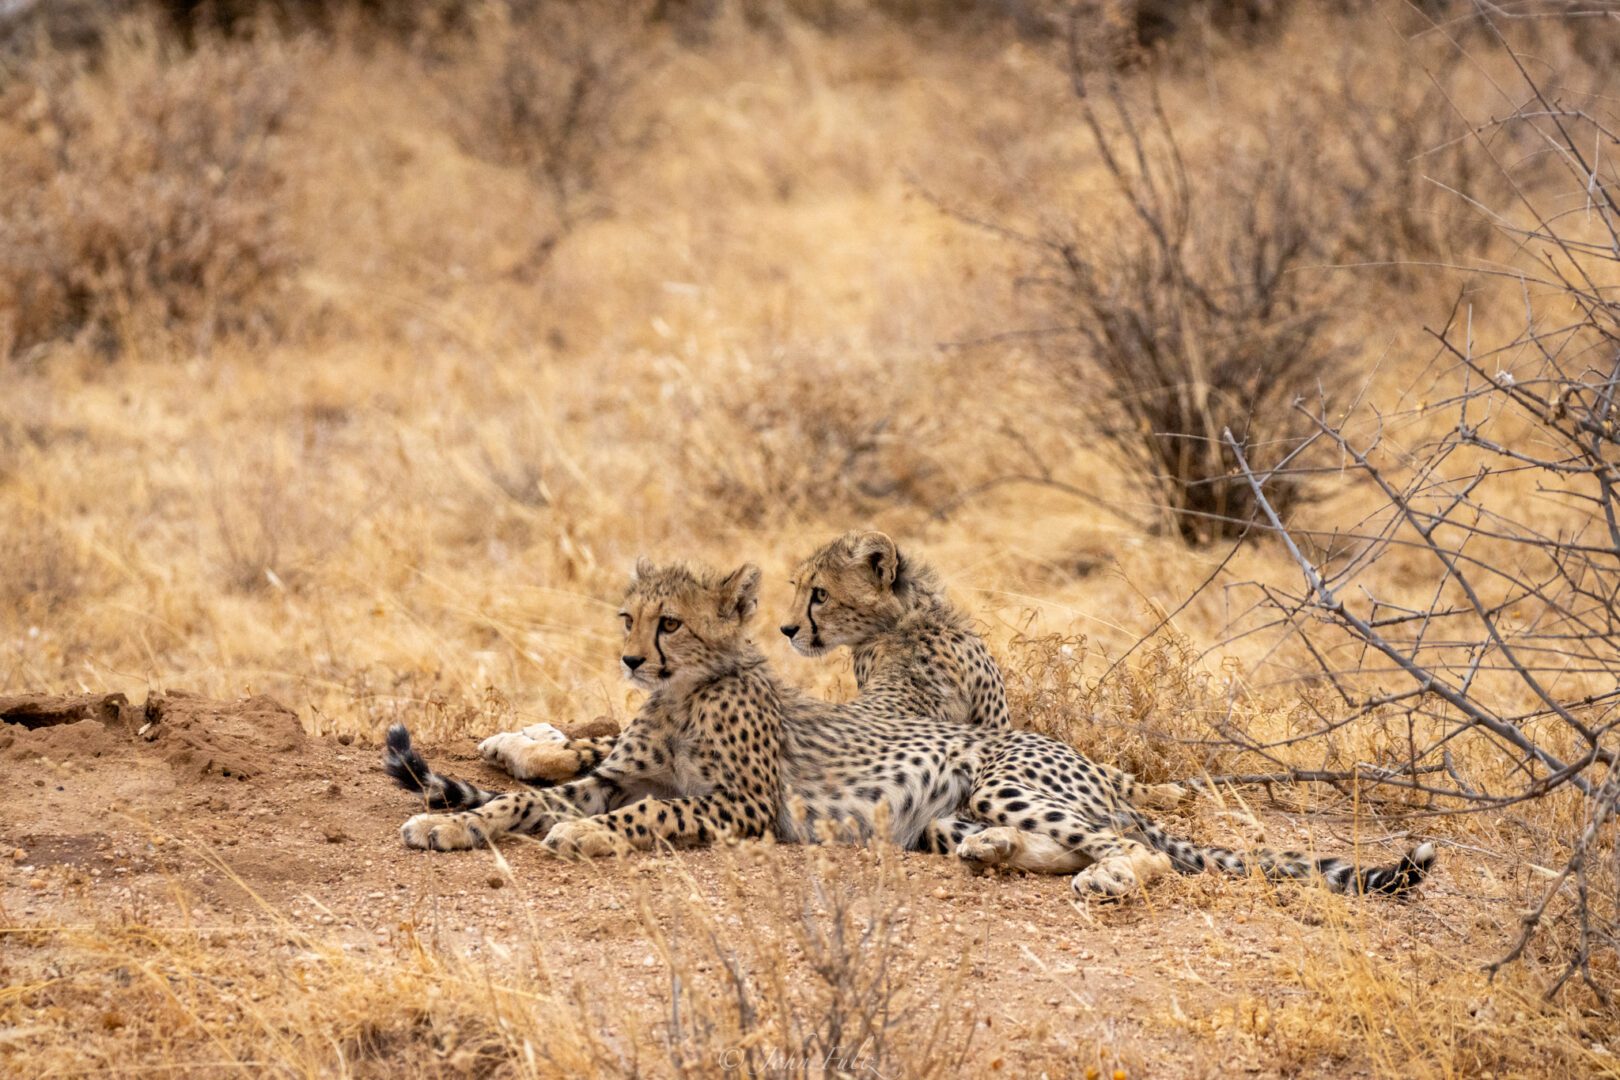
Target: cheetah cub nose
788,630
633,662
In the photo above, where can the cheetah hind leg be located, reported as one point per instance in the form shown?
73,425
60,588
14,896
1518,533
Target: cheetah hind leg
1019,849
542,752
942,835
1121,867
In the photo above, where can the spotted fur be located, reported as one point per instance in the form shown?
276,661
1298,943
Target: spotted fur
698,762
991,795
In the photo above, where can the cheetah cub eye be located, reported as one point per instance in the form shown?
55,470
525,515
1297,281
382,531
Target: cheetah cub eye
669,624
818,595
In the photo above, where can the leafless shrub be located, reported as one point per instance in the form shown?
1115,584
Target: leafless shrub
811,437
201,20
142,196
733,1011
1498,482
546,89
1186,315
1144,713
1158,22
1397,151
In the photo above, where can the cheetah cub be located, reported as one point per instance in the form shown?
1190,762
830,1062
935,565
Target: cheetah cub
988,794
699,761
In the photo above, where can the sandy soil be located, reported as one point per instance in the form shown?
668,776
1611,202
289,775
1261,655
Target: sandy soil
228,815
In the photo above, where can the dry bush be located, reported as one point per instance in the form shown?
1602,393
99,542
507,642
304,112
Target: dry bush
820,983
142,195
1149,712
816,438
1201,302
546,89
1186,315
1145,23
201,20
1189,24
1399,151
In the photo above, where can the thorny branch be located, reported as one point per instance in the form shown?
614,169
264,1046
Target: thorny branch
1500,500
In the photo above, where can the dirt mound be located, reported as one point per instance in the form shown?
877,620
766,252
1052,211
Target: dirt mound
193,735
237,739
60,727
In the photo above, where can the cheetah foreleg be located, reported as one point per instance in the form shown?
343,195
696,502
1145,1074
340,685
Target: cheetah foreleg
649,822
524,811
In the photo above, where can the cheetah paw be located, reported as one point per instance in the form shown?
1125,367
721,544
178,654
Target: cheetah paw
1120,875
543,732
442,832
988,847
1109,878
586,839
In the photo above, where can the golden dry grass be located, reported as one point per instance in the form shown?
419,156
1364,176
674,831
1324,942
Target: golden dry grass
370,454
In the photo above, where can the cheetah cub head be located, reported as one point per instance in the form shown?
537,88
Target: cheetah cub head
684,624
857,586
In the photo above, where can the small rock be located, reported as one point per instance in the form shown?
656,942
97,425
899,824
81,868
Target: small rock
495,881
334,835
332,790
345,739
18,854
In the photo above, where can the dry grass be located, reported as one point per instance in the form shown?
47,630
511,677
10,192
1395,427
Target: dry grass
362,449
180,995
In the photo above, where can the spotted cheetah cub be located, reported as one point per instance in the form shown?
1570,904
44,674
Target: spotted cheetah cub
990,795
698,762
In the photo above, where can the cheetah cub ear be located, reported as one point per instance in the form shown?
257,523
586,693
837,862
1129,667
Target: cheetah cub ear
878,552
643,569
739,592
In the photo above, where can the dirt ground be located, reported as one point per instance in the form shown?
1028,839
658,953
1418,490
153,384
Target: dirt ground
227,818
